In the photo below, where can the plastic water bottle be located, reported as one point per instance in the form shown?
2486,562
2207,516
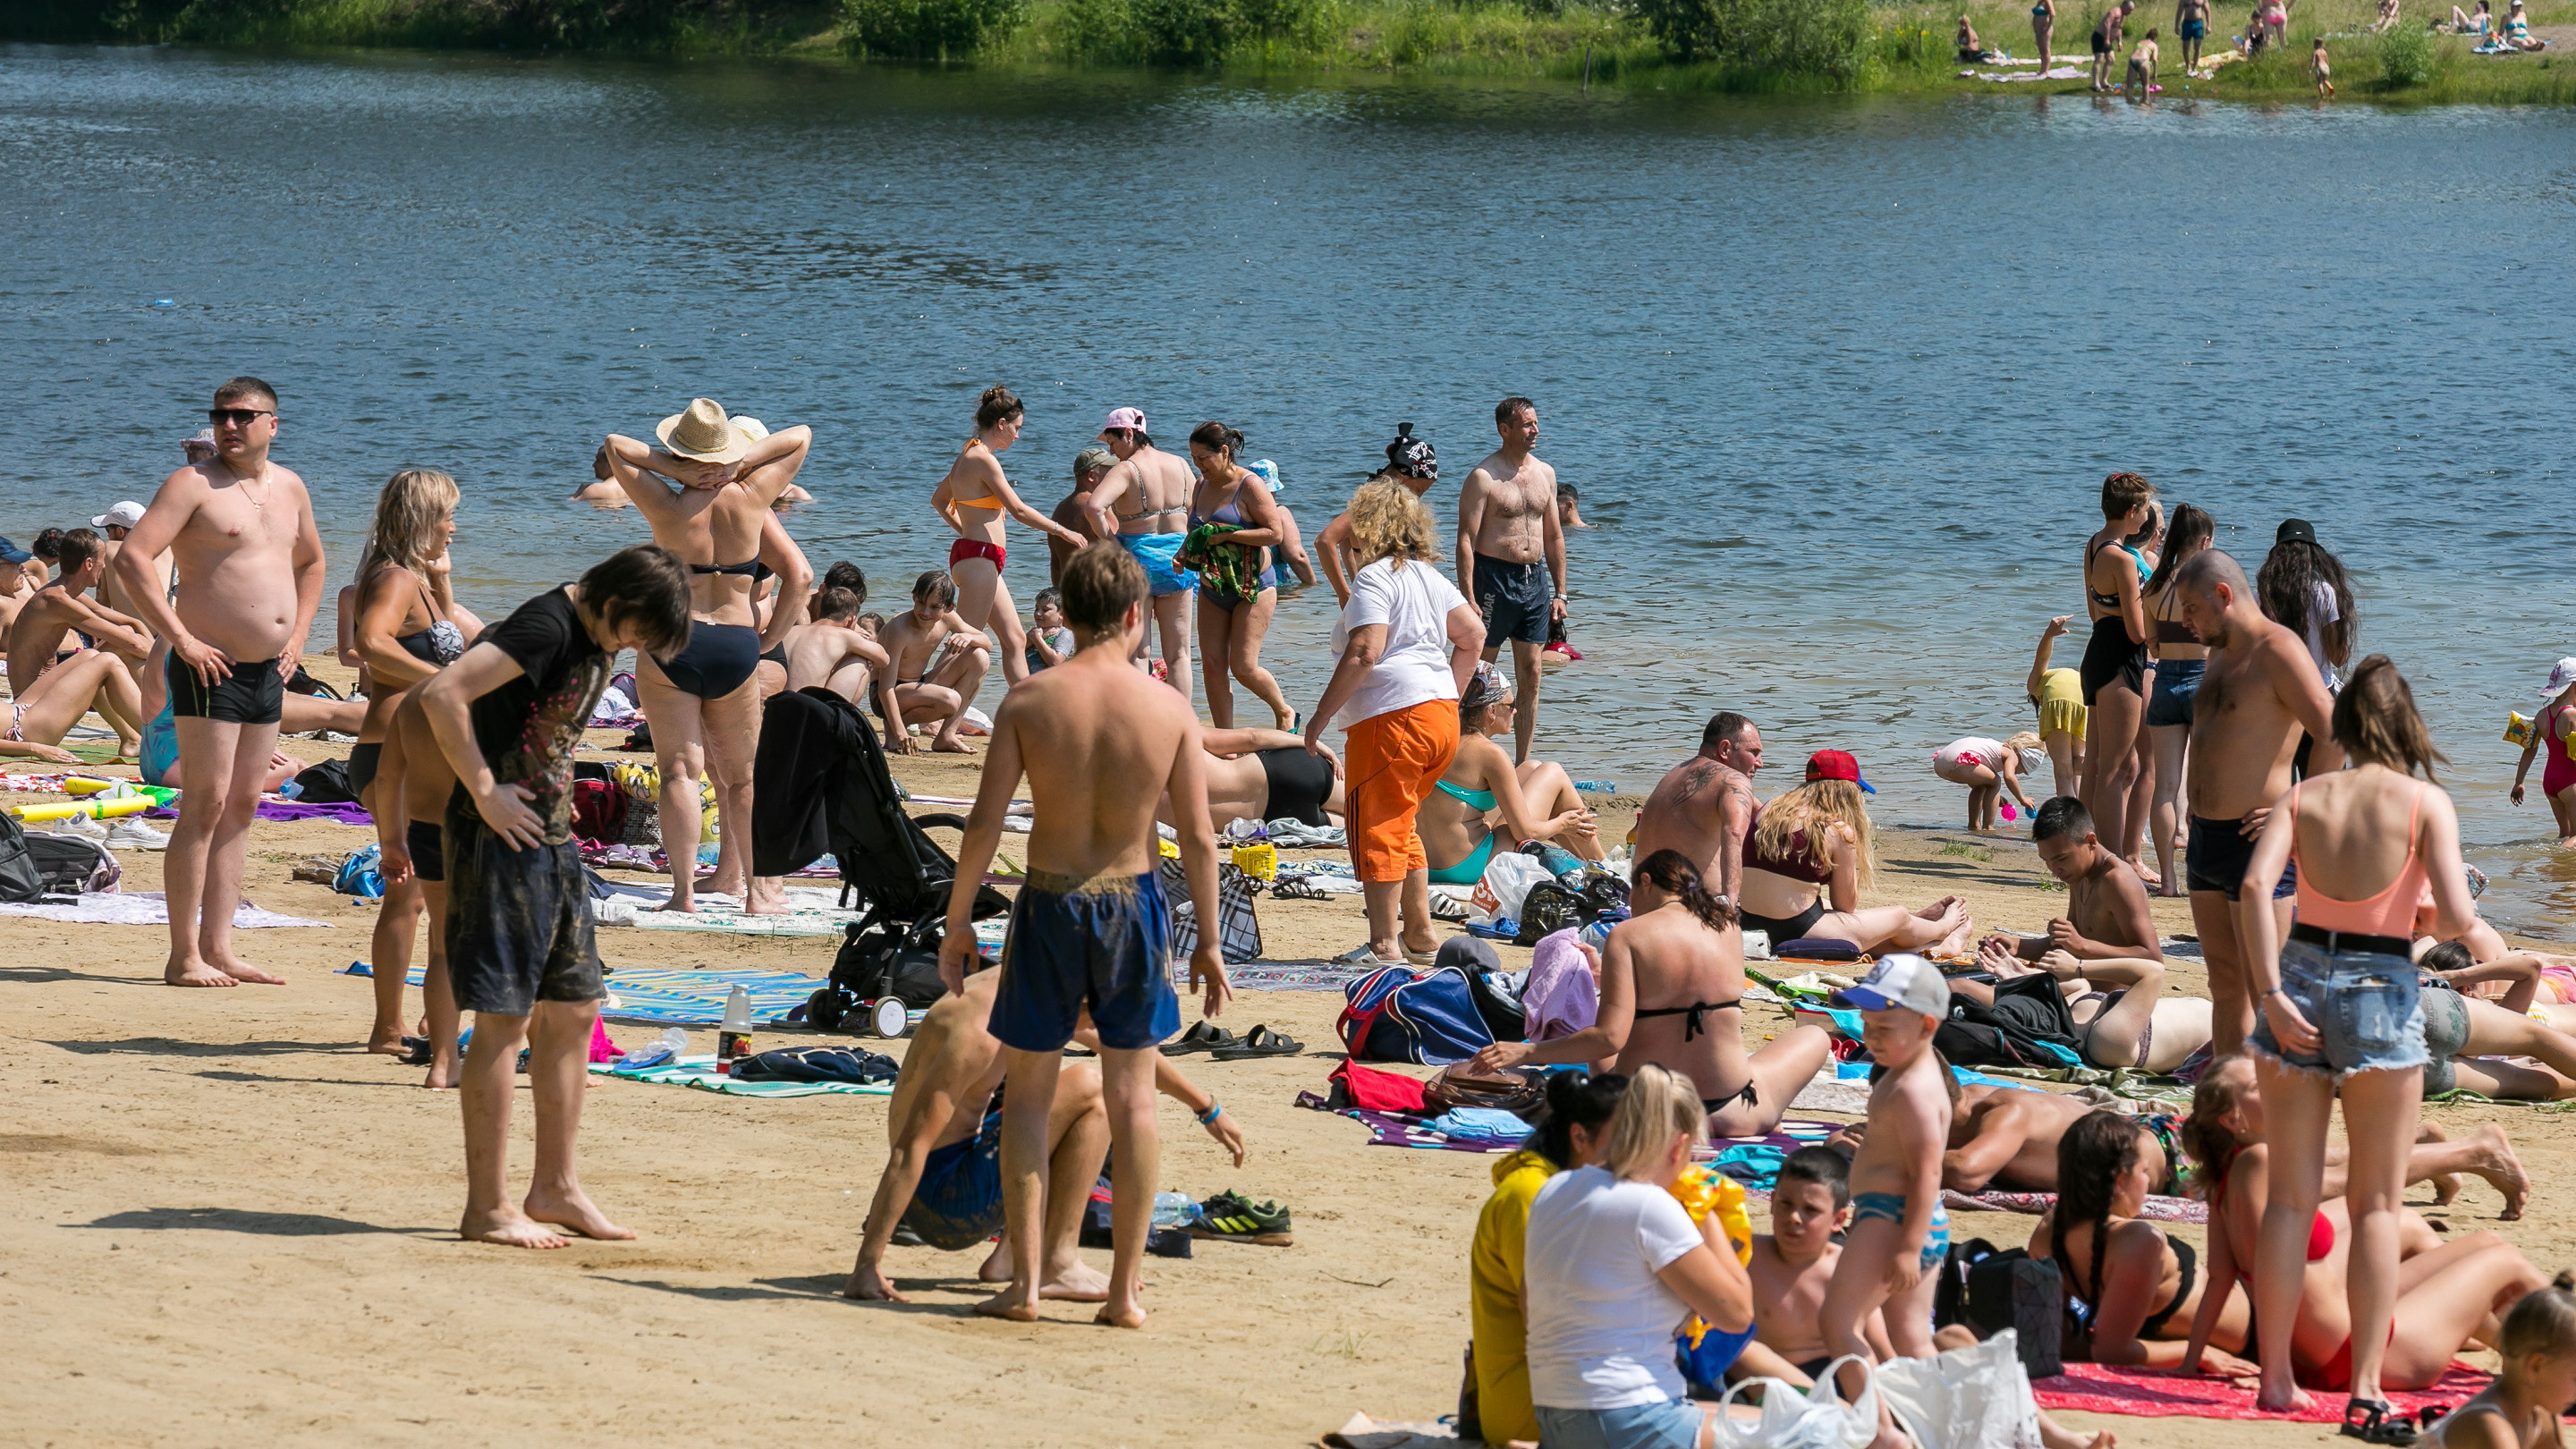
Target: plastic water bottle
733,1039
664,1048
1174,1209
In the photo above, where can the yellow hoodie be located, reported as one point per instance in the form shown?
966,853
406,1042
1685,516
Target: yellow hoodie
1494,1298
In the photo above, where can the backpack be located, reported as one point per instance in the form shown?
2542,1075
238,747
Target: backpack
1395,1014
326,784
1504,1016
2028,1026
599,811
21,879
1995,1291
67,865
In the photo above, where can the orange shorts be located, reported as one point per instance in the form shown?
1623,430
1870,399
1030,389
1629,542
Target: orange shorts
1388,766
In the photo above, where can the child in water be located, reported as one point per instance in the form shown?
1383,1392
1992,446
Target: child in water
2555,732
1988,768
2520,1409
2324,72
1050,643
1899,1233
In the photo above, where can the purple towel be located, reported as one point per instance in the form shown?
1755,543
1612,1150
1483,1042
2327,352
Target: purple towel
344,813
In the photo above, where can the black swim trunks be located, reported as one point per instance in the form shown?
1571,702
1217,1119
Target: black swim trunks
362,767
2216,857
1300,783
518,921
2112,657
1514,599
428,845
1784,929
253,695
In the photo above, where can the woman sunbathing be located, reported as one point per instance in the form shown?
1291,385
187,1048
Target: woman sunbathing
1672,980
2144,1290
1806,856
2448,1293
2118,1004
35,723
1536,800
1265,774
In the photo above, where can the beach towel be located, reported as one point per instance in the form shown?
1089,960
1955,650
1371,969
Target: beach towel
689,998
1562,996
2149,1393
145,908
813,911
700,1073
2158,1209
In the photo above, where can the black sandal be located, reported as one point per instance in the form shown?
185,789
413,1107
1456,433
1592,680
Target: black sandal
1261,1041
1200,1037
2377,1421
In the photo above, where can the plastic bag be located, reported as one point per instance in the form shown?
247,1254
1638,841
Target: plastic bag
1794,1419
1969,1398
1507,882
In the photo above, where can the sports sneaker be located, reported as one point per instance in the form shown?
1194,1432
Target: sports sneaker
130,833
82,826
1237,1219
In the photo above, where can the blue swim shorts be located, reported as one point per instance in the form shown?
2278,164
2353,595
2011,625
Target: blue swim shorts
2194,29
1891,1206
959,1200
1104,943
1155,551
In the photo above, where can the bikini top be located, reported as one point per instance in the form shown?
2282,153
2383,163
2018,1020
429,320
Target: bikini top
745,569
989,502
1472,799
441,643
1231,506
2321,1232
1696,1011
2186,1259
1142,512
2171,631
2098,599
1798,866
2391,912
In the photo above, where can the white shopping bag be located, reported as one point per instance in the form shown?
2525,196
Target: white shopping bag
1804,1419
1968,1398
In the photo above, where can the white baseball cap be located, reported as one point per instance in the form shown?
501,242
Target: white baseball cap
129,513
1904,981
2561,675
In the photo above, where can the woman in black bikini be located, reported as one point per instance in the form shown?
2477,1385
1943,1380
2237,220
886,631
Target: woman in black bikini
1672,983
1806,856
2115,661
2142,1294
409,626
701,702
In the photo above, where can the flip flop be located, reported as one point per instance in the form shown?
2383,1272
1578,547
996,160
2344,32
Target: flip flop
1421,958
1200,1037
1364,954
1261,1041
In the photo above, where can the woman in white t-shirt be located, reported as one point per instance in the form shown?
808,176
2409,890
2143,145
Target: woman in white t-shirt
1406,641
1613,1266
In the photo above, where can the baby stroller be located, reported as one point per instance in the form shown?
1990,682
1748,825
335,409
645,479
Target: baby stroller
820,760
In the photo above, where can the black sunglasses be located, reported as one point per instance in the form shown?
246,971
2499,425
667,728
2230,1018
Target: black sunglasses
238,417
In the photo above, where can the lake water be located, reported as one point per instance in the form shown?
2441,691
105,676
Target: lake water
1838,380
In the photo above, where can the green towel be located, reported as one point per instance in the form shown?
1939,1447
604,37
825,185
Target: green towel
700,1073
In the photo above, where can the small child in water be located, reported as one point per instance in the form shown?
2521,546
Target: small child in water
2324,72
1899,1233
2538,1378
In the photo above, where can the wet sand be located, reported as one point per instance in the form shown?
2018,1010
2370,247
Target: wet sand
231,1225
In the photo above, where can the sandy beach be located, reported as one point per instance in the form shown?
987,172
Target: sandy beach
232,1225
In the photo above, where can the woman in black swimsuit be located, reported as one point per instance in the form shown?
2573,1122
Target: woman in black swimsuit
723,474
2140,1295
1672,984
409,626
2115,662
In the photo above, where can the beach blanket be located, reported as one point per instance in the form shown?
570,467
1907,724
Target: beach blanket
343,813
1389,1129
144,908
700,1073
814,911
2159,1208
1314,975
689,998
2148,1393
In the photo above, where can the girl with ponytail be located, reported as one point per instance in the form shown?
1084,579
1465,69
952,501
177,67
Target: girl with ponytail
1672,979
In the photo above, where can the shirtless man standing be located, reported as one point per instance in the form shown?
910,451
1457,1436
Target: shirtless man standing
943,1176
2258,691
1089,929
242,530
44,623
1074,510
935,666
1508,526
1144,502
2106,904
2191,25
1704,806
831,651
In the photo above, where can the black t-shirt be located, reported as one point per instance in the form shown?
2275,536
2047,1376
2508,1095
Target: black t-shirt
527,728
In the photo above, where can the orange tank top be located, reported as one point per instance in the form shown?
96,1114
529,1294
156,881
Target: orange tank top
2389,913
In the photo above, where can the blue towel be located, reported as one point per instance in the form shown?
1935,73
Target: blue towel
1485,1123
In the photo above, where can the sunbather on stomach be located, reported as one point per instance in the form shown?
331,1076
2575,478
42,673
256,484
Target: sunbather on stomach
1264,774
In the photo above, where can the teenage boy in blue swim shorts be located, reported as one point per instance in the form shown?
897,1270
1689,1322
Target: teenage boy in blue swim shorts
1898,1234
1090,929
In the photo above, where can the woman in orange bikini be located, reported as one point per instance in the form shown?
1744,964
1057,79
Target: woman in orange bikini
972,499
2341,1015
2444,1293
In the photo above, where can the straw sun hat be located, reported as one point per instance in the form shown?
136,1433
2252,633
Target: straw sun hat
704,434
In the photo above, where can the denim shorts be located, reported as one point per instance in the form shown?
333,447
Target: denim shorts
1667,1424
2365,1006
2177,685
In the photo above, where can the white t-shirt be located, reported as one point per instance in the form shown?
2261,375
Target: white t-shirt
1601,1324
1413,603
2322,613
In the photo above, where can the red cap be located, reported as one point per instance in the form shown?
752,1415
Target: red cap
1833,765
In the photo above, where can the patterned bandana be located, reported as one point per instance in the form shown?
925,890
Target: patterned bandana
1412,456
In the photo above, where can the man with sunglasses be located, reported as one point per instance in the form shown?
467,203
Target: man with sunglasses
250,562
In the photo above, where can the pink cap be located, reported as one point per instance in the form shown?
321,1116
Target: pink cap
1131,419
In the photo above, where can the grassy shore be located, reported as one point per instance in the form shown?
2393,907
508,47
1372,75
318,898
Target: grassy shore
1905,49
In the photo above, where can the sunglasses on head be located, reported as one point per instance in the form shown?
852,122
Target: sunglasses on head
237,417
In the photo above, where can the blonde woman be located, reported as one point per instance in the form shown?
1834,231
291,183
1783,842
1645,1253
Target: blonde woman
1806,856
1404,646
973,499
1613,1267
407,627
707,491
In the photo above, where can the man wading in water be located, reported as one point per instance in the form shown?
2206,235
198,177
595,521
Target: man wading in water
1704,807
250,562
1507,526
2257,692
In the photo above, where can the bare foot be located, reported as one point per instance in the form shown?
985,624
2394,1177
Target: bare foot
387,1042
1013,1303
1130,1314
869,1286
577,1212
442,1072
1938,909
194,973
685,907
2269,1401
511,1229
2502,1170
996,1267
945,746
1079,1282
243,971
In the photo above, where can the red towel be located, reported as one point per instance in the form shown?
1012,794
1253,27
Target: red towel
2148,1393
